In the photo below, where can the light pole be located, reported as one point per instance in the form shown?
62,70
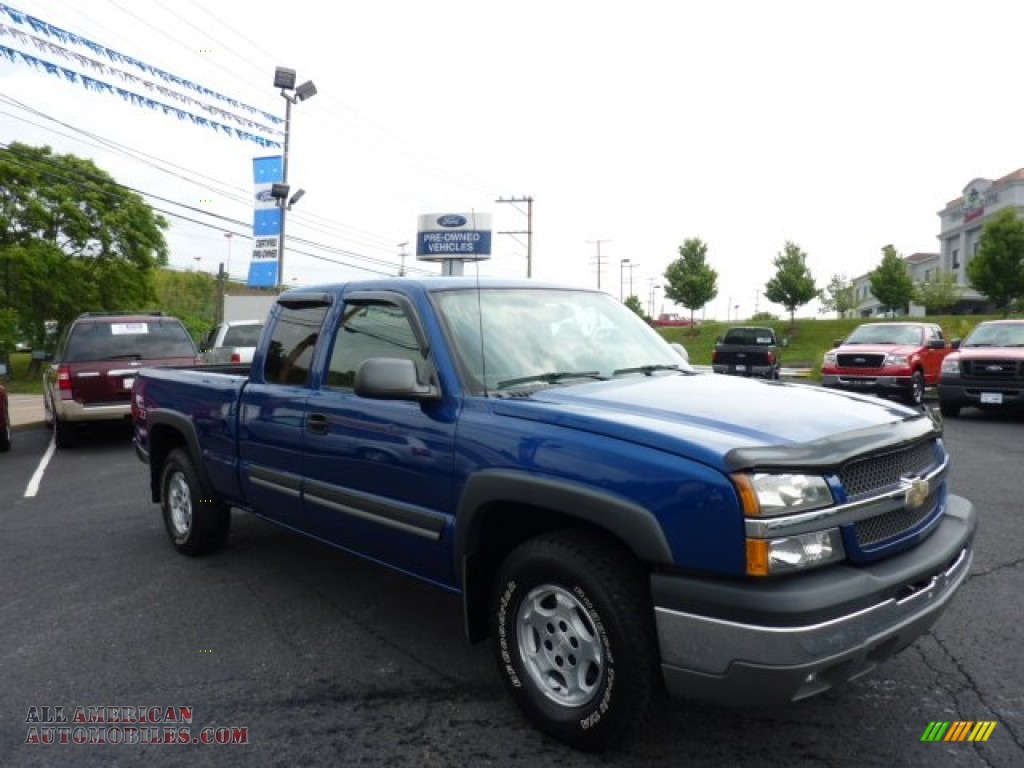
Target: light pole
227,268
284,79
653,289
622,265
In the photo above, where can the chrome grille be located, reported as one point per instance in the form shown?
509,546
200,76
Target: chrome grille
881,473
991,369
892,524
860,360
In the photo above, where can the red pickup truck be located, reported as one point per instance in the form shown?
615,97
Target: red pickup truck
889,359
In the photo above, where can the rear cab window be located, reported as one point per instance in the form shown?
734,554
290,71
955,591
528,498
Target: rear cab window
128,339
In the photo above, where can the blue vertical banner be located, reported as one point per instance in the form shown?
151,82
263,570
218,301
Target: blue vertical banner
266,223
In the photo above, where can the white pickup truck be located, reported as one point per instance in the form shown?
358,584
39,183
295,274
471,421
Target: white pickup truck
232,341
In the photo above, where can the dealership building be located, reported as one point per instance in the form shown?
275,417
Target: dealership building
961,224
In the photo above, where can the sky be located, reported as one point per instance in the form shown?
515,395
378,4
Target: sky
633,126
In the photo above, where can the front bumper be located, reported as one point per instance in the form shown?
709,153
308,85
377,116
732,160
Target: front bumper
982,394
876,384
808,633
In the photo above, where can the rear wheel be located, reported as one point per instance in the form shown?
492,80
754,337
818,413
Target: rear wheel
197,522
573,633
64,434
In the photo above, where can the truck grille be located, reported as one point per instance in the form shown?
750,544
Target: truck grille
881,473
892,524
860,361
991,370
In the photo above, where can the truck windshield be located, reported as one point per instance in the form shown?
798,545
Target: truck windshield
513,336
880,333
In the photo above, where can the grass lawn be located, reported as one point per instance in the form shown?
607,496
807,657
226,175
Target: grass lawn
18,381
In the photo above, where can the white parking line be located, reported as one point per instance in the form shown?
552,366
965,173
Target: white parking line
37,476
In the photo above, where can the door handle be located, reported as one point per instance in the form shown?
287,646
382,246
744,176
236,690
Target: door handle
317,424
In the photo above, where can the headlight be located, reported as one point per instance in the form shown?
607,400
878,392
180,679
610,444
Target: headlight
769,495
831,359
951,364
793,553
896,360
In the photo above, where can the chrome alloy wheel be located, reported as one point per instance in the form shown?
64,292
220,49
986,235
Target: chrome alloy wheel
560,648
179,500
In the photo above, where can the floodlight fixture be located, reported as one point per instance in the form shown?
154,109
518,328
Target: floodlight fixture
305,91
284,78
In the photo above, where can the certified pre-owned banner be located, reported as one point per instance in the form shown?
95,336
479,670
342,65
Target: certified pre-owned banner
266,225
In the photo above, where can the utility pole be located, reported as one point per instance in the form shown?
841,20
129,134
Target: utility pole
402,254
529,227
600,263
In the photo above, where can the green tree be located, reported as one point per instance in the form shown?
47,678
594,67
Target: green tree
890,281
997,270
689,280
633,302
839,296
71,239
189,296
938,294
792,286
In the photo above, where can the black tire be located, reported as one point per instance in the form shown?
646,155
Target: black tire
559,599
65,435
950,410
196,522
5,432
915,396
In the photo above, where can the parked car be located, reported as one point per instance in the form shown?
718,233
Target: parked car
888,359
747,351
5,421
986,371
92,371
232,341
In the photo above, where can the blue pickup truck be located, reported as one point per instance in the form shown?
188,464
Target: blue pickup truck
617,524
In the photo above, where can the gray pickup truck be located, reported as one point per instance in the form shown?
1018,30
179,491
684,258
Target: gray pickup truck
747,351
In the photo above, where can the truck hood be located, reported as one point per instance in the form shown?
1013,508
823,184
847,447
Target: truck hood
877,349
984,353
712,418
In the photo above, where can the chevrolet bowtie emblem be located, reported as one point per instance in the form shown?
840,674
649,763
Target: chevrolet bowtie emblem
917,492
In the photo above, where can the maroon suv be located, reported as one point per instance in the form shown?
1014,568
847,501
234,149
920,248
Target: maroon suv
92,372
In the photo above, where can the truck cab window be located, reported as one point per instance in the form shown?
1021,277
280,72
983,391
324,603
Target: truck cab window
371,330
292,343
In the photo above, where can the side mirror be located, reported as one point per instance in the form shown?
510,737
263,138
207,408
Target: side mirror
936,344
956,343
837,342
718,339
391,378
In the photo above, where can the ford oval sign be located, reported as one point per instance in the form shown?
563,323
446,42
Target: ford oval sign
451,220
264,196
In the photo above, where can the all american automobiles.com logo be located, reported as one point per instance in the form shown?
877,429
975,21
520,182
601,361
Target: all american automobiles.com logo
125,725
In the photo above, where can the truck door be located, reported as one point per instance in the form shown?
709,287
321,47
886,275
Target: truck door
378,472
272,410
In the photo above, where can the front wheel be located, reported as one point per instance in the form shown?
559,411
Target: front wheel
5,432
916,395
950,410
573,630
196,522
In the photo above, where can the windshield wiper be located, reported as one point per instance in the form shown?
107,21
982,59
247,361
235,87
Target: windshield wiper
647,370
551,378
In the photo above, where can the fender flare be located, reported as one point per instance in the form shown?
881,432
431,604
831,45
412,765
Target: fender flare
634,525
183,425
